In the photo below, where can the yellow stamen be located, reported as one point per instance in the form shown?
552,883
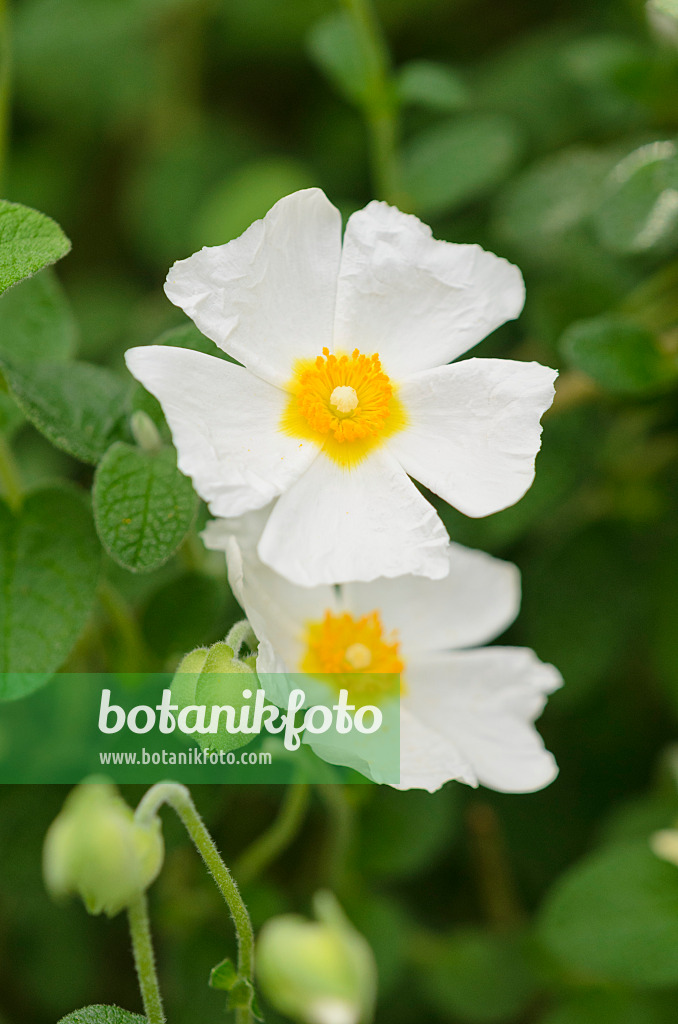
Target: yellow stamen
347,404
341,648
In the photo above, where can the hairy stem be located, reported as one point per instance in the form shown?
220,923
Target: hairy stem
144,960
179,799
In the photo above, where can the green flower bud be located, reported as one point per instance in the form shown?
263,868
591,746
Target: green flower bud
664,844
215,676
96,849
317,972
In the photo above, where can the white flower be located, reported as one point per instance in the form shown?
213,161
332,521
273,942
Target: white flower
466,712
343,390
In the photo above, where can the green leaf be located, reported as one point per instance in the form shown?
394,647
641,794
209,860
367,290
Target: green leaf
334,46
619,355
552,197
29,241
49,563
477,977
609,1008
614,917
80,408
36,321
143,506
456,161
242,997
640,212
246,196
224,976
100,1014
427,84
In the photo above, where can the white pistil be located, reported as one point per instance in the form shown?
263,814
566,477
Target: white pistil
358,656
344,399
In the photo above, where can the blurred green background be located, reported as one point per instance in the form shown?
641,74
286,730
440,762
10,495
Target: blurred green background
546,132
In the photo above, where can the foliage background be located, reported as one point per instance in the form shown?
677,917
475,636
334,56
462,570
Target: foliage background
148,128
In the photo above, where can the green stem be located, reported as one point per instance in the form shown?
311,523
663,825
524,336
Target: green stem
179,799
144,960
10,478
5,58
380,100
495,879
341,833
271,843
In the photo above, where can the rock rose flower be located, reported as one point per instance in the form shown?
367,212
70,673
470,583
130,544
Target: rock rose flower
466,712
344,394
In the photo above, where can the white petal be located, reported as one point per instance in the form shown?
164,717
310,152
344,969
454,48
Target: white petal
428,759
473,604
267,298
473,430
246,529
484,703
278,610
224,423
417,301
339,524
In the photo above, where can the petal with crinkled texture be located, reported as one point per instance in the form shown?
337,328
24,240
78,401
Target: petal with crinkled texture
484,703
473,604
338,524
428,758
224,423
267,298
473,430
417,301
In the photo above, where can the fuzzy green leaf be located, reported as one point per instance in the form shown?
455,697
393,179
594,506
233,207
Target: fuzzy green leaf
224,976
614,917
143,506
456,161
49,565
29,241
619,355
36,321
80,408
100,1014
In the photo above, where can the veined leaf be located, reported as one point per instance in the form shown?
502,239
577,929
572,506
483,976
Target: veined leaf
143,505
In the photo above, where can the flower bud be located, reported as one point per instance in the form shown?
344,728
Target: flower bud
664,844
96,849
317,972
214,676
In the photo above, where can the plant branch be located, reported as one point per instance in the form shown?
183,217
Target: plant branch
144,960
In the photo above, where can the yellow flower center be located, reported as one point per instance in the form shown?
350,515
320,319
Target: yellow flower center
340,649
347,404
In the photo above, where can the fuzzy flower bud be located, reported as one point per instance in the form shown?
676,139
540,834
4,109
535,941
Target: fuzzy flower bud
215,676
317,972
96,849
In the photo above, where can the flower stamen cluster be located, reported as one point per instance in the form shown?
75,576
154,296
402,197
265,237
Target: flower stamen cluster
345,648
348,397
